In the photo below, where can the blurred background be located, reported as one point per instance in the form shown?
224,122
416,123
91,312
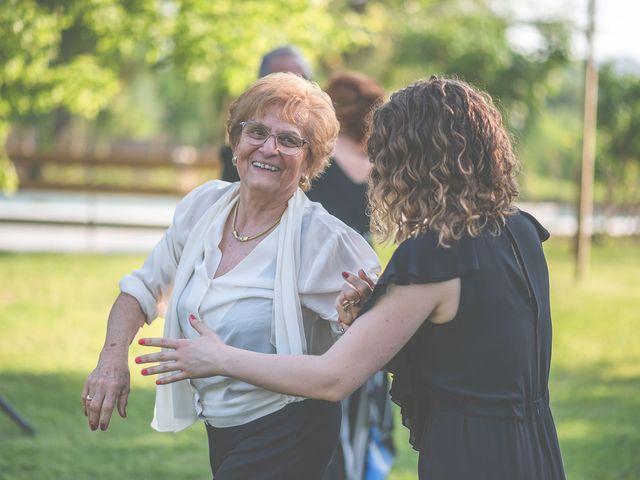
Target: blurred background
111,110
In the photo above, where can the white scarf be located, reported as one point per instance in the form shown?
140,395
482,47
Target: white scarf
175,407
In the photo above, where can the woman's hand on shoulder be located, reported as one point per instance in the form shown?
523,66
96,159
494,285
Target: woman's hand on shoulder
185,358
355,292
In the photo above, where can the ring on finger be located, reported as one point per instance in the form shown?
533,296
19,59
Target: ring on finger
349,303
89,398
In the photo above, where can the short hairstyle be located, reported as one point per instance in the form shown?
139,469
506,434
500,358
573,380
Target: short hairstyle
442,161
303,103
285,51
354,97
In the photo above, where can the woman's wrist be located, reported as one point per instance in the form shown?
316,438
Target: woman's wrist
114,351
223,360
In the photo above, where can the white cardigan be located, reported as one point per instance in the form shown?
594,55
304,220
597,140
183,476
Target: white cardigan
326,239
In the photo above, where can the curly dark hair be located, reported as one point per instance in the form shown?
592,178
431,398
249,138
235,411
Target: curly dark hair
442,161
354,96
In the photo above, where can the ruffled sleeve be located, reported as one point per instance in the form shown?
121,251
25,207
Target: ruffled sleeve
542,232
419,260
328,248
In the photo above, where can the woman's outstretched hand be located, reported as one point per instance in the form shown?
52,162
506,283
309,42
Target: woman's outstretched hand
353,295
106,388
186,358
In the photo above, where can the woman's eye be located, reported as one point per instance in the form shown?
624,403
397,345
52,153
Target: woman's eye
258,132
288,141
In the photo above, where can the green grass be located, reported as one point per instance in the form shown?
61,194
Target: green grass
52,319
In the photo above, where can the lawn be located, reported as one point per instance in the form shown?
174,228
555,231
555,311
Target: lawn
52,319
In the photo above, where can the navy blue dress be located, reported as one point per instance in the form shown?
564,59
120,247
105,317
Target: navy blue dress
342,197
474,391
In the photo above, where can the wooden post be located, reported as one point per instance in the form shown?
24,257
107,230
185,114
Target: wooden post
585,195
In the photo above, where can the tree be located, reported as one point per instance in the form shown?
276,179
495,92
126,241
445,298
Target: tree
618,152
63,56
76,56
469,39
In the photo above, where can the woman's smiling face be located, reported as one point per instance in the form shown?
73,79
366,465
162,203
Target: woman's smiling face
264,168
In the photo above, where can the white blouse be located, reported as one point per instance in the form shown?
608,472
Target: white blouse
239,305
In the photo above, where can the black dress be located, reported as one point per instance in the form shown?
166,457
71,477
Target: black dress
342,198
474,391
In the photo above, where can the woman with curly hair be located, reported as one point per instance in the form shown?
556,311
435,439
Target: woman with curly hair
461,313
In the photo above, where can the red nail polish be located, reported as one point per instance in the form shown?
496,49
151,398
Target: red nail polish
345,275
141,341
138,360
192,317
158,382
144,371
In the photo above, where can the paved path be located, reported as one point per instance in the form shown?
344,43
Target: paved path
69,222
72,222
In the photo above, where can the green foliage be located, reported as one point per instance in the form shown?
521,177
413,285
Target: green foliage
211,40
469,39
8,175
63,56
618,156
84,56
550,154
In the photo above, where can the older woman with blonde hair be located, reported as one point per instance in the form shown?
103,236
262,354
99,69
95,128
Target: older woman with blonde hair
260,264
461,313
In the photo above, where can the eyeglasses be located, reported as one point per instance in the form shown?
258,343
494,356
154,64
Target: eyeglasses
256,133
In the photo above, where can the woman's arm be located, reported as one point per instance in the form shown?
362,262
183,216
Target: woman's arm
108,384
367,346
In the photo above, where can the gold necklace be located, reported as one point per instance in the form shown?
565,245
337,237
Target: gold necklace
243,238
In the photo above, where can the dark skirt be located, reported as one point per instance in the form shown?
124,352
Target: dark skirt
488,441
294,442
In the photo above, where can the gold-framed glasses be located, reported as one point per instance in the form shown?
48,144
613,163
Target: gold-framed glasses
256,133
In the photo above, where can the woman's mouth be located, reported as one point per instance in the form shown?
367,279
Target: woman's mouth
265,166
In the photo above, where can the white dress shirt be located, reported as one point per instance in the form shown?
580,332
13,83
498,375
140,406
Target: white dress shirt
250,306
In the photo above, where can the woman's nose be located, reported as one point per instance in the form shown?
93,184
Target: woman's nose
270,145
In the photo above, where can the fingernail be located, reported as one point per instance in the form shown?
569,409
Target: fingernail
345,275
138,360
192,317
103,427
144,371
93,428
141,341
158,382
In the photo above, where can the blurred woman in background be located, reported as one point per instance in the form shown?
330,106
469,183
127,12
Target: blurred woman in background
366,443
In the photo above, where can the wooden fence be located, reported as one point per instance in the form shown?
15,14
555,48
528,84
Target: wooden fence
172,171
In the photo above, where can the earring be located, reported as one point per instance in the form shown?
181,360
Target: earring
234,160
305,183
